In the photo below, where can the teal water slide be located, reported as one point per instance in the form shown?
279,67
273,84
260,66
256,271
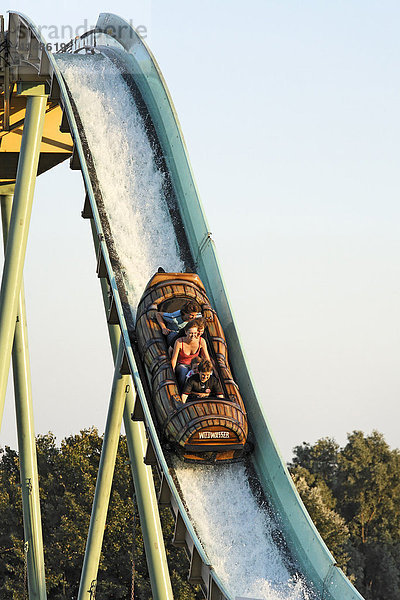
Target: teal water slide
118,40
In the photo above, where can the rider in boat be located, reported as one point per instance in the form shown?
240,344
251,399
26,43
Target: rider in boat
173,323
185,349
202,384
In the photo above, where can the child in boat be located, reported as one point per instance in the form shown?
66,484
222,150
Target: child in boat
194,366
185,350
203,384
173,323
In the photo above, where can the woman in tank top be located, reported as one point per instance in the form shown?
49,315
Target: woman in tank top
185,349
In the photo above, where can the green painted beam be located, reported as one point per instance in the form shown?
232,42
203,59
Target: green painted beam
147,504
102,494
19,227
26,438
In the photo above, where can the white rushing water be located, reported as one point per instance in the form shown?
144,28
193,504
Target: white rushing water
236,533
130,182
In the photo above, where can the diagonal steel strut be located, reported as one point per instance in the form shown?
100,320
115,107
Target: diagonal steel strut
14,259
26,438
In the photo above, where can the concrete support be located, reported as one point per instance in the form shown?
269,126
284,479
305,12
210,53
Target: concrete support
142,478
19,225
104,482
26,439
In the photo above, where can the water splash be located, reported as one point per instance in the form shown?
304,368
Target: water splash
237,534
130,181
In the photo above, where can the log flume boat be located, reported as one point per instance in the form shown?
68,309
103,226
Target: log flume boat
202,430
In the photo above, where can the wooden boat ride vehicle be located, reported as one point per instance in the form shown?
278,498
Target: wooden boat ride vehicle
204,429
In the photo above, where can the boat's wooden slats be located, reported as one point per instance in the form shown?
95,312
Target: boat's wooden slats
169,290
164,278
200,410
192,412
231,418
217,411
179,421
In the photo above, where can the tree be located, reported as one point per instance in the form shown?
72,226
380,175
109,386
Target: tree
319,502
361,482
381,577
12,568
369,488
321,460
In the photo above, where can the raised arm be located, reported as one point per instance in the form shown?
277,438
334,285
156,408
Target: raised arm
160,321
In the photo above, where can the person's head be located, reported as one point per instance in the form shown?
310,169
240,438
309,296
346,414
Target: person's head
190,310
194,365
205,370
201,324
191,330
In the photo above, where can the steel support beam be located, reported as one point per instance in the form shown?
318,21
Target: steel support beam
19,225
147,504
102,494
26,438
142,476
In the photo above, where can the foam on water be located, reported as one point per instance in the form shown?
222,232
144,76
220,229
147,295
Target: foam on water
237,535
130,182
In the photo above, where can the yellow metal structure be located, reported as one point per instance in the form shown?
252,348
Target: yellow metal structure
55,147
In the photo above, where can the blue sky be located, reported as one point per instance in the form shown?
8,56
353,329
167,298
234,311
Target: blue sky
290,114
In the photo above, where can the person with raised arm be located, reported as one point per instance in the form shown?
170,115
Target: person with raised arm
173,323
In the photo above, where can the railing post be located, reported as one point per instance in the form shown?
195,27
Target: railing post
19,225
26,438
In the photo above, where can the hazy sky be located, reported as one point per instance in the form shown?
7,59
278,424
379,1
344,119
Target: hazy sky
290,114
